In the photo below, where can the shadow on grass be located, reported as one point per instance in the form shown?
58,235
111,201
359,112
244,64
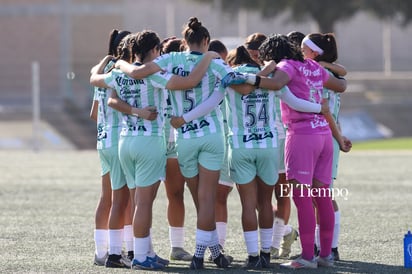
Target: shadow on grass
340,267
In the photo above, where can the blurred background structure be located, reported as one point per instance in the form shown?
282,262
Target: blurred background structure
67,37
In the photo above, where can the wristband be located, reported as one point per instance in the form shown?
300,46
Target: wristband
257,82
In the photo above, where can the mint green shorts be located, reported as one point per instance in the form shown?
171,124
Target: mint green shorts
143,159
247,163
171,150
207,151
224,178
110,162
281,145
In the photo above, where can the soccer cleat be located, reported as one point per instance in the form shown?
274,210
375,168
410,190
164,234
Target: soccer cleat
130,255
300,263
335,254
274,252
223,261
265,259
100,261
196,263
162,261
326,261
253,262
148,264
285,246
179,254
230,258
117,261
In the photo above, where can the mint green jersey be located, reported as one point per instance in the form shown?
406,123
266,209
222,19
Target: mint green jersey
109,120
334,101
280,127
140,94
182,63
252,117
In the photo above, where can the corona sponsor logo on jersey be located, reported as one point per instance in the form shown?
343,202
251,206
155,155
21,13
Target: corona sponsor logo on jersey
180,71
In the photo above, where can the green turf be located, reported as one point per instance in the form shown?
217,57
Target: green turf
47,203
385,144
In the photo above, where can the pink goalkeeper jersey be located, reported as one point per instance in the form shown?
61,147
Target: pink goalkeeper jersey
306,82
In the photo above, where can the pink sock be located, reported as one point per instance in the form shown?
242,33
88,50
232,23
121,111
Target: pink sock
306,219
326,220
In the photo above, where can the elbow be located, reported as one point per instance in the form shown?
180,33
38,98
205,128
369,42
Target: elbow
342,86
93,80
110,102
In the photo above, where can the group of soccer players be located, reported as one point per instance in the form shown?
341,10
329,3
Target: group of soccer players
189,113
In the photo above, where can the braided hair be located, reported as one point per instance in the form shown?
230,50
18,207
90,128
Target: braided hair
277,47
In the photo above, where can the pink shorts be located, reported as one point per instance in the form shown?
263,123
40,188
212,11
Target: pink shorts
308,157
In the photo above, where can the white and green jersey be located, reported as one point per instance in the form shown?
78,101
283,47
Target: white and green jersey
170,132
280,127
140,94
109,120
182,63
334,101
251,118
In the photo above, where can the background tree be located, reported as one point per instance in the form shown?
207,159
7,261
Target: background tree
324,12
399,11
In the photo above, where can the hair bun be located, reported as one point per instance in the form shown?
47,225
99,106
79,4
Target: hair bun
194,23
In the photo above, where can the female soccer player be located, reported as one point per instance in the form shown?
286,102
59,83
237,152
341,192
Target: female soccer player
142,131
200,144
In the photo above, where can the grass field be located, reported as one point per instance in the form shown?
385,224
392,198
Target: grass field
47,203
385,144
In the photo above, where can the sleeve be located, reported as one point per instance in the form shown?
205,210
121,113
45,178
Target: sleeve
160,79
110,79
286,68
206,106
297,103
163,60
219,68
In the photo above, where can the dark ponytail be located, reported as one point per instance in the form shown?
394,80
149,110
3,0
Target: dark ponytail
112,37
194,32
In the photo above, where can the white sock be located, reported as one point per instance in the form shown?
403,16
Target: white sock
336,230
278,232
265,239
214,245
115,241
128,237
251,240
203,240
221,228
141,248
203,237
177,236
101,240
288,229
317,237
151,252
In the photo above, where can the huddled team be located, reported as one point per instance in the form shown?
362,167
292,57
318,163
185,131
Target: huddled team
190,113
